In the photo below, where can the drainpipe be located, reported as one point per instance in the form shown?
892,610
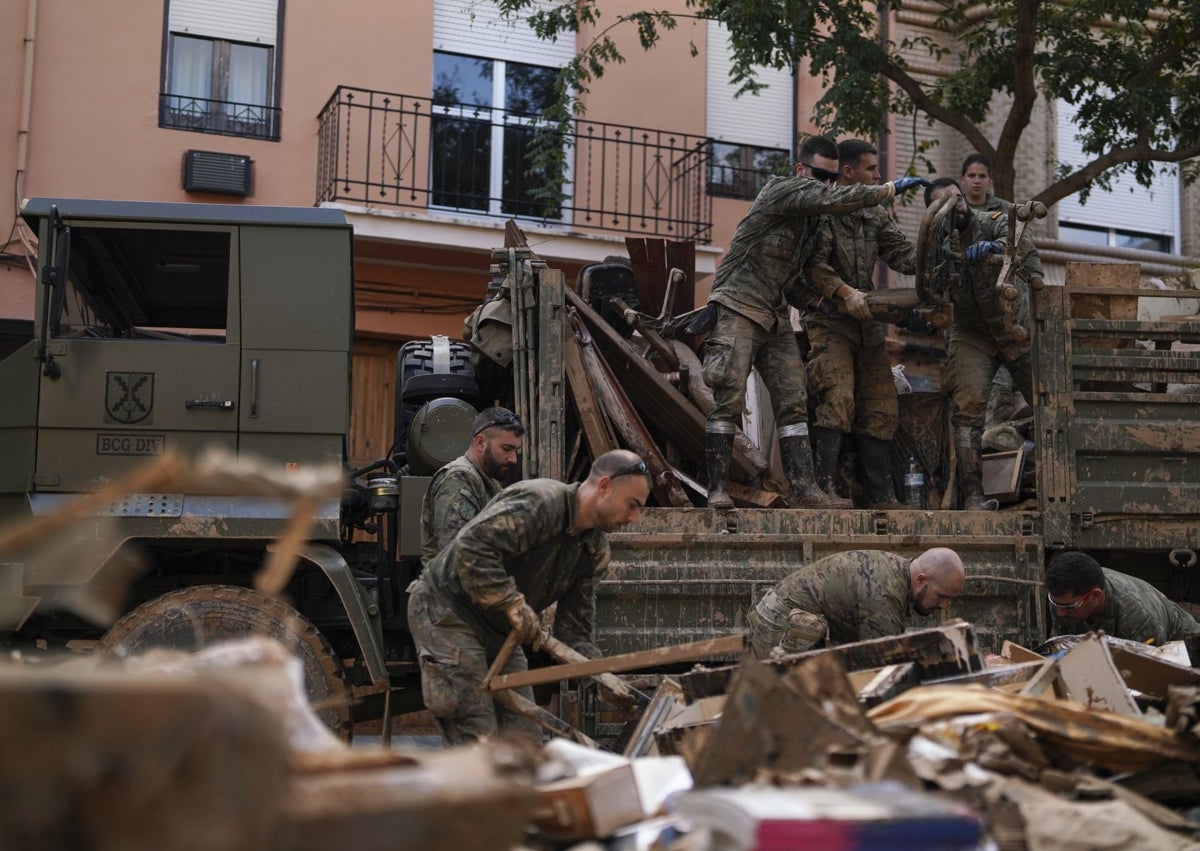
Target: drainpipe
26,97
882,12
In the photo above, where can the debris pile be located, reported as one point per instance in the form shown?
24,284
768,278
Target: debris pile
918,741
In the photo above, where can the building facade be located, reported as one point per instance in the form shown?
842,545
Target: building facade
419,120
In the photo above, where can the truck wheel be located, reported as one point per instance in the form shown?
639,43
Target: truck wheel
192,618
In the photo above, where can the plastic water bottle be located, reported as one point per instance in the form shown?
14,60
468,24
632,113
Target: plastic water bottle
914,484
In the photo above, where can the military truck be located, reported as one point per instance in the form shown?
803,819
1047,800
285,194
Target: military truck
172,327
1116,448
182,327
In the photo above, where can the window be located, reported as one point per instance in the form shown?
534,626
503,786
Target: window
484,138
1105,218
144,283
220,68
751,134
739,171
1113,238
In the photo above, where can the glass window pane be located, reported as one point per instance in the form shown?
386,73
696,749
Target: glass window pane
528,89
191,67
741,170
527,191
249,68
1144,241
189,88
462,79
460,163
1083,234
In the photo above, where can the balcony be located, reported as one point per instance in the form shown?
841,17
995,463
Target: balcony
226,118
403,151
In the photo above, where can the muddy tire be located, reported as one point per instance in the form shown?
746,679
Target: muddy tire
193,618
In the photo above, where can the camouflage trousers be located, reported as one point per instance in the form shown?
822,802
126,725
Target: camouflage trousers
773,623
453,665
852,380
737,344
967,377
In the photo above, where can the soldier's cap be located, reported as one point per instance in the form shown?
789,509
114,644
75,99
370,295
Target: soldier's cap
497,417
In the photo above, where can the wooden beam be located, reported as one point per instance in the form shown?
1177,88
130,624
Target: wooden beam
544,719
657,400
624,662
937,652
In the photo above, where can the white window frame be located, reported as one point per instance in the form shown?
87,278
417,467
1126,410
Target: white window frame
496,114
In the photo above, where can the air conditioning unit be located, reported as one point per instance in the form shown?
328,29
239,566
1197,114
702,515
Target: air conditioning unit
223,174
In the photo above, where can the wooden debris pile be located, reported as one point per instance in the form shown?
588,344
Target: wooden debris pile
918,741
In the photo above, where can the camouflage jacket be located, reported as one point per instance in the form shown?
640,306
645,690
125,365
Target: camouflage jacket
1136,610
861,593
978,308
522,543
457,493
773,242
848,249
992,204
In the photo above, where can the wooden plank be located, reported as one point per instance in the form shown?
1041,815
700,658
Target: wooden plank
745,495
666,488
888,682
654,397
937,652
596,427
625,662
1016,653
544,719
1090,678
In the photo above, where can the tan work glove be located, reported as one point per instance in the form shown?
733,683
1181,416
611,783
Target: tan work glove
525,622
856,306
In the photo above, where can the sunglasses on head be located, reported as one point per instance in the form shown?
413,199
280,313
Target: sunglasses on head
821,174
1066,607
639,467
502,419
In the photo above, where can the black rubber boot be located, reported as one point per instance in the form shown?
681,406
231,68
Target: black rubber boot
798,468
827,443
968,445
718,449
875,455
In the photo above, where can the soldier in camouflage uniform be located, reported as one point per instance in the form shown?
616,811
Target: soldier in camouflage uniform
976,182
977,342
849,370
463,487
749,299
1086,597
852,596
539,542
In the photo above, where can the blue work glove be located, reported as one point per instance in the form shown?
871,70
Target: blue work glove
903,184
976,251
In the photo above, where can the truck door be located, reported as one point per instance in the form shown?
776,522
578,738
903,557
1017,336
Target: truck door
297,291
146,351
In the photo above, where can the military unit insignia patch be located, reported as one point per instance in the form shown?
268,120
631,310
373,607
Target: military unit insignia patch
129,396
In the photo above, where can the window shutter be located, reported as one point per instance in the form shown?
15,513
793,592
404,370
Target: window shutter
765,119
252,21
476,29
1128,206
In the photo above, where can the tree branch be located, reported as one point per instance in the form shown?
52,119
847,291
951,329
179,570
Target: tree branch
1080,178
1154,66
1024,96
939,112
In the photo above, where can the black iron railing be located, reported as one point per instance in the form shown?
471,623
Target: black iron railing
395,150
227,118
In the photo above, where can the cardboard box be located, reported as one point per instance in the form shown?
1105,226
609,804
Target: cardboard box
588,806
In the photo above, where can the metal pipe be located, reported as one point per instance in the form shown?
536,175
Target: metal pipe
31,7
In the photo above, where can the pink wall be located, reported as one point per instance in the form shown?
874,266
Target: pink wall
95,132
